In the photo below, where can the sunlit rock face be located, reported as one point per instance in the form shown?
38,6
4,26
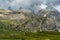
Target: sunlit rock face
12,15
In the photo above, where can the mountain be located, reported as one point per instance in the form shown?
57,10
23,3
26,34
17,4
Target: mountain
46,19
53,19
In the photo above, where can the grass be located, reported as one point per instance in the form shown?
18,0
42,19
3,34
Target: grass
10,34
30,36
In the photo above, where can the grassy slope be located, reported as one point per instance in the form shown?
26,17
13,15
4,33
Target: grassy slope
17,35
31,36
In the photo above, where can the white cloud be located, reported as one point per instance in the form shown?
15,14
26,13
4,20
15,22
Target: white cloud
21,2
57,7
15,2
26,4
43,6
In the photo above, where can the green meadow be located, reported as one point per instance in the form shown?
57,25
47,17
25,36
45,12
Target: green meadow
8,32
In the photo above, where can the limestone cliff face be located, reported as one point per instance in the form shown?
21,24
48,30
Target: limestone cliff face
53,17
34,21
13,15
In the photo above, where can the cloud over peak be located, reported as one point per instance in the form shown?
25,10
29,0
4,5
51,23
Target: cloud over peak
33,5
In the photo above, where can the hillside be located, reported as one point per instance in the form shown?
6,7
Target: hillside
26,25
10,31
45,20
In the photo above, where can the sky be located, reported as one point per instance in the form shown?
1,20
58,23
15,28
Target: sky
31,5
